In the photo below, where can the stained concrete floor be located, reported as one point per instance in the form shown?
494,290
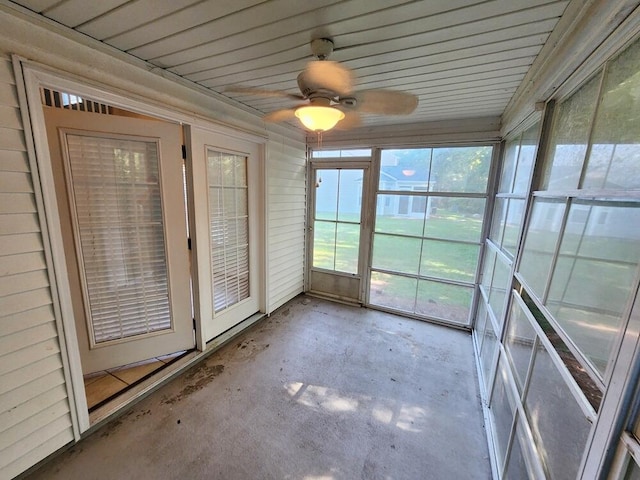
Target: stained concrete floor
317,391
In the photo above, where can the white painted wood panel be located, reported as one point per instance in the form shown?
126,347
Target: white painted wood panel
30,318
35,415
285,172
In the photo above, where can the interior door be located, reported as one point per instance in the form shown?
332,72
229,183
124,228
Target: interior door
225,174
339,241
120,197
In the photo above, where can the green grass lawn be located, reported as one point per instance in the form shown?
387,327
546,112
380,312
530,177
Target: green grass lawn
399,246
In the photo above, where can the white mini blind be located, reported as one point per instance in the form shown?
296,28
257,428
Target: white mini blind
118,216
229,227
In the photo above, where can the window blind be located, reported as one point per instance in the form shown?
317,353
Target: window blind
229,228
118,215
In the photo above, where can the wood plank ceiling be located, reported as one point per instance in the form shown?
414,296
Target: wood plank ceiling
463,58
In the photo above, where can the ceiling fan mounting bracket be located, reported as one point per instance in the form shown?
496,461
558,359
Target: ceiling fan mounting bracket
321,48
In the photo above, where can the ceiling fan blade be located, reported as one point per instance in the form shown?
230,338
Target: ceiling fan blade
386,102
350,120
280,115
262,92
328,75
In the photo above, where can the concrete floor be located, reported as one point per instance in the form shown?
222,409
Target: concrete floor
317,391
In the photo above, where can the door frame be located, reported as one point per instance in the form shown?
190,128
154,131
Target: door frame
366,221
30,77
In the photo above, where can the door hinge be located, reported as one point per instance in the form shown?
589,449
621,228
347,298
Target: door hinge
189,243
184,152
194,323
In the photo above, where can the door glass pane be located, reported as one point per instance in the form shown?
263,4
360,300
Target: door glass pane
593,278
568,144
118,210
338,202
229,228
614,161
347,247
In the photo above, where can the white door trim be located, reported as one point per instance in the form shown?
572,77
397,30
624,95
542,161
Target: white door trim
30,76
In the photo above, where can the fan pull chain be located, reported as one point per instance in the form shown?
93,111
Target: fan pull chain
319,132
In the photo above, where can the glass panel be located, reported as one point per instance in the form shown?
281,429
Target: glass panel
324,237
338,199
528,149
592,281
515,214
519,343
455,218
439,300
118,210
229,227
556,420
540,242
488,353
633,471
326,194
460,169
498,220
388,221
499,287
404,169
481,322
347,247
509,165
449,260
614,161
487,270
386,255
362,152
350,195
393,291
568,144
502,411
516,468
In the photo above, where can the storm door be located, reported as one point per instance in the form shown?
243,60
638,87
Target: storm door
339,250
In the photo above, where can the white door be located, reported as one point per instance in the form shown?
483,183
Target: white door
225,176
121,201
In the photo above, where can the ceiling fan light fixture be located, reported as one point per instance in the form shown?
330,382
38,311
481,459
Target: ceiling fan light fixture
318,118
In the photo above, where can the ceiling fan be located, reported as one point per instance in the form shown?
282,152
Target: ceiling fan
330,101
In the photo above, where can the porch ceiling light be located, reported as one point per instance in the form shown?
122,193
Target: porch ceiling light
319,118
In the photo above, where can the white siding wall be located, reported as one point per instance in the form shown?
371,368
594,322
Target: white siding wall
35,418
286,213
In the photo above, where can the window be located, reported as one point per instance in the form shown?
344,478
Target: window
430,206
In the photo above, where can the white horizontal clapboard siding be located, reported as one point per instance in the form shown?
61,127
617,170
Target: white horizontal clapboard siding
286,211
35,419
